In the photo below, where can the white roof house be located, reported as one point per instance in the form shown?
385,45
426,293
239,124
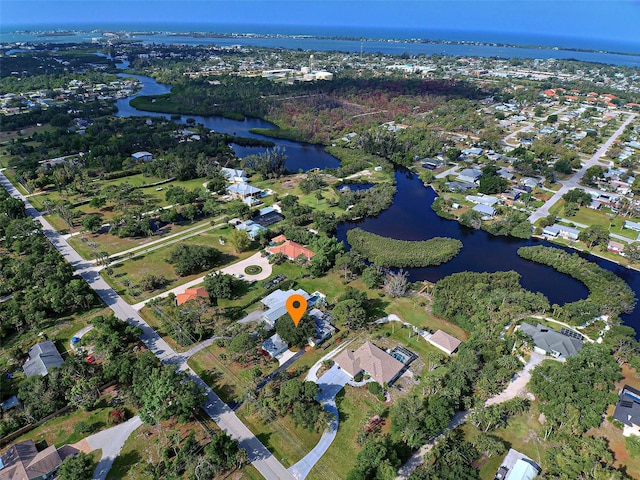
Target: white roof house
482,199
276,303
234,175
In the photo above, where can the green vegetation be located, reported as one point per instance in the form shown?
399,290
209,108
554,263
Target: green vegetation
471,299
284,133
608,293
389,252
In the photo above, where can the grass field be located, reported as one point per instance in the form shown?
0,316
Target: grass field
355,405
287,442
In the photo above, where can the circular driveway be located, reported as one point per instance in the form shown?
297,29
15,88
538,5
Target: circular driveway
237,269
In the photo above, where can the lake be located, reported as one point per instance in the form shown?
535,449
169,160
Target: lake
410,217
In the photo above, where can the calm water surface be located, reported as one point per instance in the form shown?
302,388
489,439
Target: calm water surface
411,218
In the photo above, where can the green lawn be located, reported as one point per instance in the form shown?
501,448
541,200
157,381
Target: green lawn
282,438
59,431
355,405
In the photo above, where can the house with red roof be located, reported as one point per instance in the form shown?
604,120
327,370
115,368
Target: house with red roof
199,293
290,249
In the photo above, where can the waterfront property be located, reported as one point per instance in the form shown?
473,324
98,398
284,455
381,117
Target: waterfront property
615,247
517,466
628,410
563,231
485,211
372,361
43,356
445,342
548,341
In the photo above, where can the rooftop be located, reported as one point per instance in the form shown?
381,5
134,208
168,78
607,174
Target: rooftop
551,341
382,367
43,356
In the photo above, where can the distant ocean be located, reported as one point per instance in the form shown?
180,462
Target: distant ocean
560,47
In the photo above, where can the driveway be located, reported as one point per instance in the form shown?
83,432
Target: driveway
111,442
330,384
517,386
236,269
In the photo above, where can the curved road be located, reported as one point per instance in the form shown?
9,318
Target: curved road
260,457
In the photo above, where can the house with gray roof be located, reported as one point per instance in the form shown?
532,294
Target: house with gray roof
469,175
43,356
486,211
548,341
274,346
324,329
628,410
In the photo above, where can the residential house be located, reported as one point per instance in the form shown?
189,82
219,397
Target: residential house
632,225
9,403
43,356
487,200
551,342
324,329
469,175
245,192
371,360
628,410
484,210
22,461
274,346
615,247
199,293
529,182
432,163
474,151
517,466
142,156
445,342
460,186
268,216
234,175
276,304
563,231
291,250
251,227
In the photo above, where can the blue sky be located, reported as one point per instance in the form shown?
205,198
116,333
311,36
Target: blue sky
606,19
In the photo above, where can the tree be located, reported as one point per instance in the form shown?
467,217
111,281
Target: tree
92,222
240,240
223,452
243,342
350,313
296,336
592,174
190,259
219,285
76,467
373,276
164,392
577,195
396,283
594,235
270,164
563,166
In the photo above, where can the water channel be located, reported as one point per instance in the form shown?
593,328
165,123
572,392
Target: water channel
411,217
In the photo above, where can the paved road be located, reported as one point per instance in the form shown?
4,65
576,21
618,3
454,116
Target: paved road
111,442
572,183
260,457
234,269
330,384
